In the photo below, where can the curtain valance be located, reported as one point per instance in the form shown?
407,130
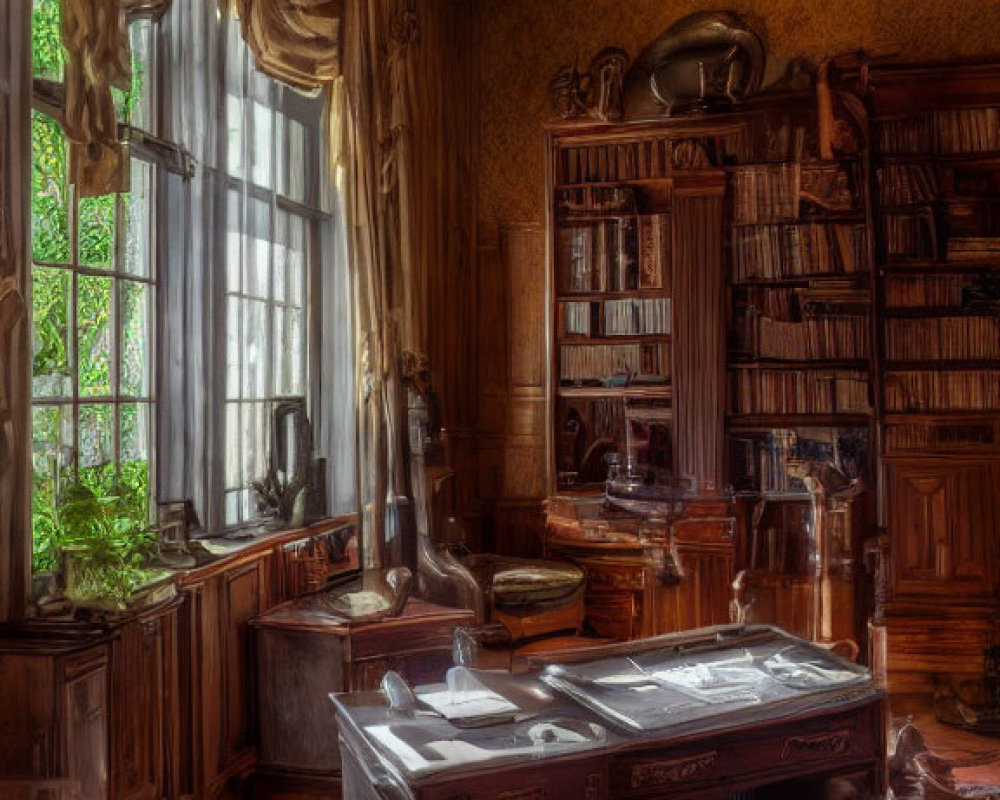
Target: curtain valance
295,41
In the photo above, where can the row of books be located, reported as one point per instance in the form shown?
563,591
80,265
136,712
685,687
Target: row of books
766,193
577,318
906,291
955,390
643,159
596,200
637,316
843,337
973,248
923,437
907,136
963,130
764,391
911,235
942,338
968,130
654,251
614,364
770,252
599,257
907,184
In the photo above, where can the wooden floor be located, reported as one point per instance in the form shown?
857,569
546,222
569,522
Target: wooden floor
952,744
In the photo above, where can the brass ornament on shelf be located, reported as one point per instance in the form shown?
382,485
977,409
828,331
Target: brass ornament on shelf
596,93
703,61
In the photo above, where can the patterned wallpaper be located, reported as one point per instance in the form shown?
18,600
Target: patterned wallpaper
525,41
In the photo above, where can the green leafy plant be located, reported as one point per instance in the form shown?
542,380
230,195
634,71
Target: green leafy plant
108,547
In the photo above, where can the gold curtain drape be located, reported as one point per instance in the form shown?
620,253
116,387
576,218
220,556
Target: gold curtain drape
95,35
295,41
96,41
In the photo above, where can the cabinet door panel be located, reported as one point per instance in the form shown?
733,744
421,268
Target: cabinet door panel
244,600
942,523
86,732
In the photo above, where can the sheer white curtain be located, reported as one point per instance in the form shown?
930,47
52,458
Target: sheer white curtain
256,301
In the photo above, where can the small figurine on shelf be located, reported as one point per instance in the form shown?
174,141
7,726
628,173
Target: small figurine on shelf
176,521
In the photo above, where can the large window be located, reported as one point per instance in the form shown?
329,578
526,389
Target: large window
271,151
170,320
93,302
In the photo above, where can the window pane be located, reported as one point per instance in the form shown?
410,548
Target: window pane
49,191
47,55
235,136
136,208
140,95
296,161
234,329
257,268
136,312
52,459
96,230
254,442
280,257
94,334
136,437
234,242
255,349
134,432
51,300
296,261
263,143
295,347
96,436
233,507
234,476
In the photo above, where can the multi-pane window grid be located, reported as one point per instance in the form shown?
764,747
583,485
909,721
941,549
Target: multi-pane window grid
265,341
92,378
267,252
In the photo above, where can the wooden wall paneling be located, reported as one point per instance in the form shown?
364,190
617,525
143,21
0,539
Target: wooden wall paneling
144,707
698,292
85,706
244,596
28,744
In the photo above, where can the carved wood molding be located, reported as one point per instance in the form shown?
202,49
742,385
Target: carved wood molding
538,793
836,743
663,773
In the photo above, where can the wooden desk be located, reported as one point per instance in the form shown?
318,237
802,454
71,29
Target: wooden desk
780,750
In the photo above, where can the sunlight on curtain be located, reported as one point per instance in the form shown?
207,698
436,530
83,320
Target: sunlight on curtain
259,273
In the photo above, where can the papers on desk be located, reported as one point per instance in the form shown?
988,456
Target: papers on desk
662,688
466,701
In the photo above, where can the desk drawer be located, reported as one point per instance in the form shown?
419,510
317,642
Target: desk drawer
582,780
615,577
757,757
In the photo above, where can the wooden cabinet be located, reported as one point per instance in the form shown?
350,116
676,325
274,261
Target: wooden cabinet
629,592
218,670
216,654
306,652
943,529
93,705
144,707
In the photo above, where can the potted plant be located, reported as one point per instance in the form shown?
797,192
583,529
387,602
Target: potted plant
105,550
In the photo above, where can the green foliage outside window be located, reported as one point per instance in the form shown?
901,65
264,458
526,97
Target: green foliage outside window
103,502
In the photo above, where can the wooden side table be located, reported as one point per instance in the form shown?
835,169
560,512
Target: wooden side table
305,652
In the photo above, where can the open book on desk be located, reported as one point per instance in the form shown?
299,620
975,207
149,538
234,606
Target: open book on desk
465,701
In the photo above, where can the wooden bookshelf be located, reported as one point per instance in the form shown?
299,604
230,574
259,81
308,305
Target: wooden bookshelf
936,198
